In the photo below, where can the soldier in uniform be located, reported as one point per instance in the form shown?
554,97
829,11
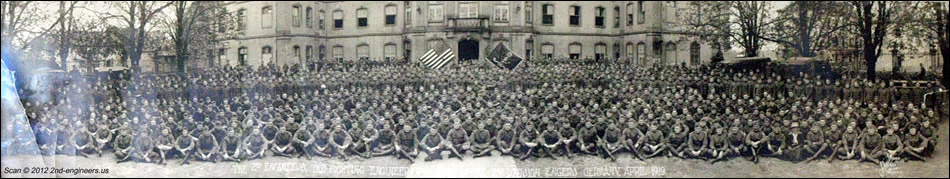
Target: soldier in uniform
815,143
611,142
231,147
320,144
846,147
302,142
914,143
207,145
528,139
654,143
568,137
588,139
481,141
677,142
340,140
164,143
458,139
384,141
505,140
550,139
870,146
406,143
256,144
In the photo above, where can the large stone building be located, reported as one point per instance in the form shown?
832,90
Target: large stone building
294,32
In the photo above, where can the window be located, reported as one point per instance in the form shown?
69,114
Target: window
242,56
361,15
642,13
362,52
630,11
528,46
242,19
322,52
617,17
548,14
309,54
266,55
600,51
295,15
390,15
547,50
309,17
435,13
389,52
574,51
222,56
266,18
631,52
297,53
694,53
616,51
599,18
575,15
408,46
338,53
320,18
501,13
337,19
468,10
669,53
642,53
528,15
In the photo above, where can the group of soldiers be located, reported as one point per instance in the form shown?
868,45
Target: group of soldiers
551,108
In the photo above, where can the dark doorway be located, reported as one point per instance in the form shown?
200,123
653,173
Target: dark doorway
468,50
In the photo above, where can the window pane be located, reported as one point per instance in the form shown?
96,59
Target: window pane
575,48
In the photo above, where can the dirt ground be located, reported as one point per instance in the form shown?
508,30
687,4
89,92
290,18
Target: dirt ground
495,166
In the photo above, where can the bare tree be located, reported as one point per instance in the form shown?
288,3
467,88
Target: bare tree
808,26
195,28
741,22
873,21
930,24
136,16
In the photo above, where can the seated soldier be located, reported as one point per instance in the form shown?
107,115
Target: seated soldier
914,143
301,141
754,138
815,143
737,145
368,136
846,148
549,139
340,141
870,146
231,147
611,142
893,145
207,145
718,144
434,144
458,139
654,143
255,144
528,139
677,142
481,141
384,142
568,137
697,143
164,143
406,143
505,140
588,139
321,140
83,141
143,148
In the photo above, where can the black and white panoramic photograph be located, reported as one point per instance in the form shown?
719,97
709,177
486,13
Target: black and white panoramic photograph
474,89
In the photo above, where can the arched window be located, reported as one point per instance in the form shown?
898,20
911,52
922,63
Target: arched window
694,53
599,17
642,53
266,55
297,54
362,51
361,17
574,13
390,15
669,55
630,11
600,51
309,17
338,53
547,50
574,50
389,52
616,16
321,17
338,19
642,13
266,19
242,19
616,50
309,54
322,52
242,56
295,15
407,45
528,47
631,52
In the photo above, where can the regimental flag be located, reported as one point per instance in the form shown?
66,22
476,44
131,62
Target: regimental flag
437,57
502,57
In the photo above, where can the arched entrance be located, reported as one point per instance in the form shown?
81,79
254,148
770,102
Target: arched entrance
468,49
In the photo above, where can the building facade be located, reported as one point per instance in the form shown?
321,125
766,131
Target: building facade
301,32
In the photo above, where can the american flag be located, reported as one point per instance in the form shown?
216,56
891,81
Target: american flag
437,57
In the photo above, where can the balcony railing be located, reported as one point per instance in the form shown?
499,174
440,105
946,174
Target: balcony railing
468,24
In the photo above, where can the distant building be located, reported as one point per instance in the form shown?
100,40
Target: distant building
300,32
